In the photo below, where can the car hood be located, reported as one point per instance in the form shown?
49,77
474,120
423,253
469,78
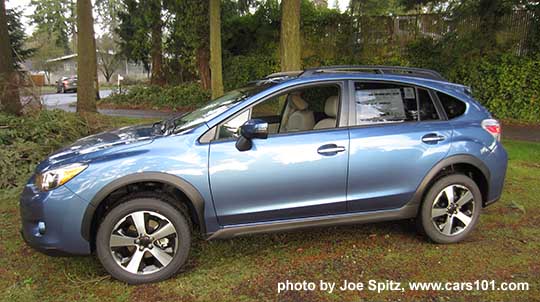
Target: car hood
84,148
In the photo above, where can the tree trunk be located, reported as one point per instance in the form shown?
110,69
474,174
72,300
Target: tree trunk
108,75
156,52
96,75
290,35
202,65
10,101
96,81
86,59
215,49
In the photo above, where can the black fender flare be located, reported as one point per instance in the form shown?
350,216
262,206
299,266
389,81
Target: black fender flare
451,160
189,190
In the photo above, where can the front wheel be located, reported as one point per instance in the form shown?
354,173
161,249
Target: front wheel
450,209
144,239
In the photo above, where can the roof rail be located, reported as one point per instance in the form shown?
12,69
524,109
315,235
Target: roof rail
394,70
284,74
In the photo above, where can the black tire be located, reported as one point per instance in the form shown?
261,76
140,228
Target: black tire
144,202
425,222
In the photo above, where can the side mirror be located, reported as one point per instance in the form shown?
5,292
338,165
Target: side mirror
249,130
254,129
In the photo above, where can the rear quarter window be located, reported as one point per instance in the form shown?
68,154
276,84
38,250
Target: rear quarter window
452,106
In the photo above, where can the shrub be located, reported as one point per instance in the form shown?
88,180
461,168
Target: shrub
239,70
24,141
181,97
134,81
509,86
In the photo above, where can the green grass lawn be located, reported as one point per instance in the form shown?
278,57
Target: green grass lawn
504,247
47,89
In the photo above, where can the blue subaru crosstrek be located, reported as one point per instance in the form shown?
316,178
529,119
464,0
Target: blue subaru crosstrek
325,146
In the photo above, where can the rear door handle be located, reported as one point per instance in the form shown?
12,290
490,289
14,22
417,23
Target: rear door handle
432,138
330,149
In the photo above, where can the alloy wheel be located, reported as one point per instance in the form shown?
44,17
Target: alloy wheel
452,210
143,242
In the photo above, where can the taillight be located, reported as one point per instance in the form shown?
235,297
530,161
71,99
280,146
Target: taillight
65,82
493,127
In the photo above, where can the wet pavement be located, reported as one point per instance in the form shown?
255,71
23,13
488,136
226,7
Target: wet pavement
67,102
138,113
521,132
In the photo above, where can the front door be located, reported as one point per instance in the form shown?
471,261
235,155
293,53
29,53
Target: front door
291,174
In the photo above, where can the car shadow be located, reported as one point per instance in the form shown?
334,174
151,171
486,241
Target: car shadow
312,238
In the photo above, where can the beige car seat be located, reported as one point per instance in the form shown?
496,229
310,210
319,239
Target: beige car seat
330,109
300,118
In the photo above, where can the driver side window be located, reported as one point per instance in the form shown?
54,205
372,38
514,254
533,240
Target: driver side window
303,109
269,111
230,128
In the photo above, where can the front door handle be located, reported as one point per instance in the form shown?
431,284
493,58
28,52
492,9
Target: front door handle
330,149
432,138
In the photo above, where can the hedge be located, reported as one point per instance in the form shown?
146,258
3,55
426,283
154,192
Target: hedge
182,97
24,141
508,85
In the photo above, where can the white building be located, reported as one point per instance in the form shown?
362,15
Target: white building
67,66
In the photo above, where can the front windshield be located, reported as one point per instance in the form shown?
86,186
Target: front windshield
215,107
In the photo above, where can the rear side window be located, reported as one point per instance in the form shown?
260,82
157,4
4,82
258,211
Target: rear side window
452,106
427,109
378,103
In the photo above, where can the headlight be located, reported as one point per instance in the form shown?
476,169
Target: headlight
51,179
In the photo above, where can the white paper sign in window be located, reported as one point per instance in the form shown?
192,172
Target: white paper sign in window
379,105
409,93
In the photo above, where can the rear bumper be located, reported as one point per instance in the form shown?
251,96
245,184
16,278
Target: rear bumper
59,212
497,162
70,87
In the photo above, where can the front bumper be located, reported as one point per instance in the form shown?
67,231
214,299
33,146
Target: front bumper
60,211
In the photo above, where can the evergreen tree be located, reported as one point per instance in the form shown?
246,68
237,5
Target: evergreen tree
9,82
17,37
55,17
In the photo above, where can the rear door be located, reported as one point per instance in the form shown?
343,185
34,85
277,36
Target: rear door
397,135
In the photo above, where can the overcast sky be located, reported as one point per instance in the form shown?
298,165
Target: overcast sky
27,10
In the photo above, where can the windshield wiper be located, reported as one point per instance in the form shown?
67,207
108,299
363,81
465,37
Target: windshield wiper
168,125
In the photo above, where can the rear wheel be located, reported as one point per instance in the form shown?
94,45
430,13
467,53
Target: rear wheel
450,209
144,239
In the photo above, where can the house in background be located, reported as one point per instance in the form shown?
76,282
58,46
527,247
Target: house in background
66,66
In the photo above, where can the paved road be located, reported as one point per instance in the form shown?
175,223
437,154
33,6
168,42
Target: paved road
520,132
67,101
63,100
